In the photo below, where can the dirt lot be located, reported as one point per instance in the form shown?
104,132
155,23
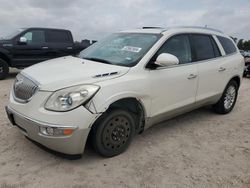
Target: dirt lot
198,149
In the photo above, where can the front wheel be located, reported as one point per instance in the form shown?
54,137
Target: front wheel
113,132
4,69
228,98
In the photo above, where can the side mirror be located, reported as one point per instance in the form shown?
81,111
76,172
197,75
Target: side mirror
166,59
23,40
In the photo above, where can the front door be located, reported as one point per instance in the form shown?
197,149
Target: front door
173,88
33,51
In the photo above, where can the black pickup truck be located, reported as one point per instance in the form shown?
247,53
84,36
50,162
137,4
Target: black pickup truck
26,47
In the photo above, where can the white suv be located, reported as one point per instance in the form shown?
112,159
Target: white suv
122,85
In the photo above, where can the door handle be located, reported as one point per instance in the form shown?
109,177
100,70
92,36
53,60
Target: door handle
192,76
45,47
221,69
69,48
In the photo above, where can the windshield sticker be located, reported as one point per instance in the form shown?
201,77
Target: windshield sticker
131,49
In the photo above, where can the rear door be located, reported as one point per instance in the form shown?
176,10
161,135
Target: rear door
34,51
230,63
60,43
209,61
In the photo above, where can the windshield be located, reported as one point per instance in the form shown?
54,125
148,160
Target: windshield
13,34
124,49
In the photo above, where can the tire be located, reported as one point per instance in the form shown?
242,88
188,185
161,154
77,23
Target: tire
228,99
4,69
113,132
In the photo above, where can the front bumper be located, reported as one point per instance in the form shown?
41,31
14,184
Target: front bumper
72,145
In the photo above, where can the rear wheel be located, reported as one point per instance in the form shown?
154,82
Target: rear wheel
4,69
113,132
228,99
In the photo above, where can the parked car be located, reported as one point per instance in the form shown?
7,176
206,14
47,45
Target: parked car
247,54
122,85
29,46
242,52
247,67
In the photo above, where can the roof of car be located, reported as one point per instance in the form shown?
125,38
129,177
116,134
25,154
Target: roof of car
44,28
159,30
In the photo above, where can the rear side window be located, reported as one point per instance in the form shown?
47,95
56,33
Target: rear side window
216,49
227,44
203,47
58,37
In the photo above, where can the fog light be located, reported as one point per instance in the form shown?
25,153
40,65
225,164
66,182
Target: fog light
56,131
50,131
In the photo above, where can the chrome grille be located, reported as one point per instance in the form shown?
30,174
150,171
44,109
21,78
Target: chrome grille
24,88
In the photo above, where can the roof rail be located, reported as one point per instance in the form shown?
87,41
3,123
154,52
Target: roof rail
152,28
199,27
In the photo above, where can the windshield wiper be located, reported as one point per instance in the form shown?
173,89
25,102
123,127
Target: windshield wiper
98,60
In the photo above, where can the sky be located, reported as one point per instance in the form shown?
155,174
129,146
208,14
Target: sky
93,19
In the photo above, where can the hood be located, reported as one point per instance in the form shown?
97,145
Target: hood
69,71
3,41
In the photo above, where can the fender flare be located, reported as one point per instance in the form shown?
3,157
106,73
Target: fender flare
144,101
5,54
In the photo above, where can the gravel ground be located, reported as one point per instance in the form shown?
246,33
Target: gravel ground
198,149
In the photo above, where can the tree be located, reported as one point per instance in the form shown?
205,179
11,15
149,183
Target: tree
241,44
235,39
244,45
247,45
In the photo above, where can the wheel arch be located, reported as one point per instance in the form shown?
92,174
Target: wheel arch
135,106
237,79
5,58
130,103
125,103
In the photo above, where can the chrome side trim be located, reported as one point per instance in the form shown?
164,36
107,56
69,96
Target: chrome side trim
197,62
191,63
106,74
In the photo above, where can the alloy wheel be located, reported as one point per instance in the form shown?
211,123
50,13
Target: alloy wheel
229,97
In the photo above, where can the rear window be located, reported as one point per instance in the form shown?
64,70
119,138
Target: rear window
203,47
58,37
227,44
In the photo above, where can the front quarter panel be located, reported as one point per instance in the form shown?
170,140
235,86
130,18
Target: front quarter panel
131,85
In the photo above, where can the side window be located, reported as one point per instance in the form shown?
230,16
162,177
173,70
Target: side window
35,36
216,48
58,37
203,47
179,46
227,44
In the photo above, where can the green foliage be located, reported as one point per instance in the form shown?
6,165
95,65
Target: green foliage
235,39
244,45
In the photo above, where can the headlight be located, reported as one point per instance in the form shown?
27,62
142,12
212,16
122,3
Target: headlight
70,98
